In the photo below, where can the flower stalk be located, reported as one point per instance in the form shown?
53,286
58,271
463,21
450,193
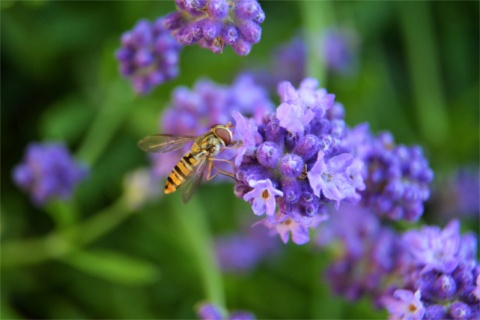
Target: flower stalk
191,218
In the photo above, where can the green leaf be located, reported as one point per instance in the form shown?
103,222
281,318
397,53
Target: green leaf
66,120
114,266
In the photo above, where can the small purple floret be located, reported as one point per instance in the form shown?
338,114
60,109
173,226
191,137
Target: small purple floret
216,23
149,54
48,171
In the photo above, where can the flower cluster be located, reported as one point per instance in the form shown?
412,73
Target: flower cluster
421,274
293,162
445,277
48,171
216,23
210,311
397,177
193,112
367,256
149,55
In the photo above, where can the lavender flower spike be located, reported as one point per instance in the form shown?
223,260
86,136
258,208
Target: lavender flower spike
48,171
216,23
148,56
284,154
443,268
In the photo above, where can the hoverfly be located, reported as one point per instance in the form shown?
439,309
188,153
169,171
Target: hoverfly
190,169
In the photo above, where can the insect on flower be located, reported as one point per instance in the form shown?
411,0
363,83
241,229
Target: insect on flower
191,168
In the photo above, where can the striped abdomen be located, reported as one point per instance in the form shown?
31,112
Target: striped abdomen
182,170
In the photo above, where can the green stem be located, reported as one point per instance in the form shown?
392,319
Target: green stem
423,63
59,243
113,111
191,218
317,17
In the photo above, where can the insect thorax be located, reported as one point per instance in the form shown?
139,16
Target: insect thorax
208,142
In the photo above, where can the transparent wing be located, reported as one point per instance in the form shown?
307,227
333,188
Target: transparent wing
164,142
190,185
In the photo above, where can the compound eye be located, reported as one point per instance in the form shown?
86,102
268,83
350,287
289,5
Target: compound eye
224,134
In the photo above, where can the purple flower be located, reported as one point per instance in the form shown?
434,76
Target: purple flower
48,171
214,23
263,195
457,194
284,153
241,315
243,251
405,305
369,258
443,268
294,225
336,179
148,56
289,61
397,177
298,107
210,311
340,50
434,248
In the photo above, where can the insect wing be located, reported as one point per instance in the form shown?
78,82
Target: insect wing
190,185
164,142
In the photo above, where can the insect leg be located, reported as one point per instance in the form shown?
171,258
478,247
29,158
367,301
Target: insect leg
225,173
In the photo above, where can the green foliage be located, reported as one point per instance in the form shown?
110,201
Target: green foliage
96,257
113,266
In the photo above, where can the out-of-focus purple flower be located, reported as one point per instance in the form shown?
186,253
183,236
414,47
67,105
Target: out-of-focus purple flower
241,315
242,251
405,305
149,55
340,48
369,259
193,111
210,311
467,191
263,196
285,153
48,171
457,195
216,23
397,177
289,61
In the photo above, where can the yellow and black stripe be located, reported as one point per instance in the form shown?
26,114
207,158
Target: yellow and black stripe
182,170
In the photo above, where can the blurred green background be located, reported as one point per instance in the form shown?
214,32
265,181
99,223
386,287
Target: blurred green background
92,257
